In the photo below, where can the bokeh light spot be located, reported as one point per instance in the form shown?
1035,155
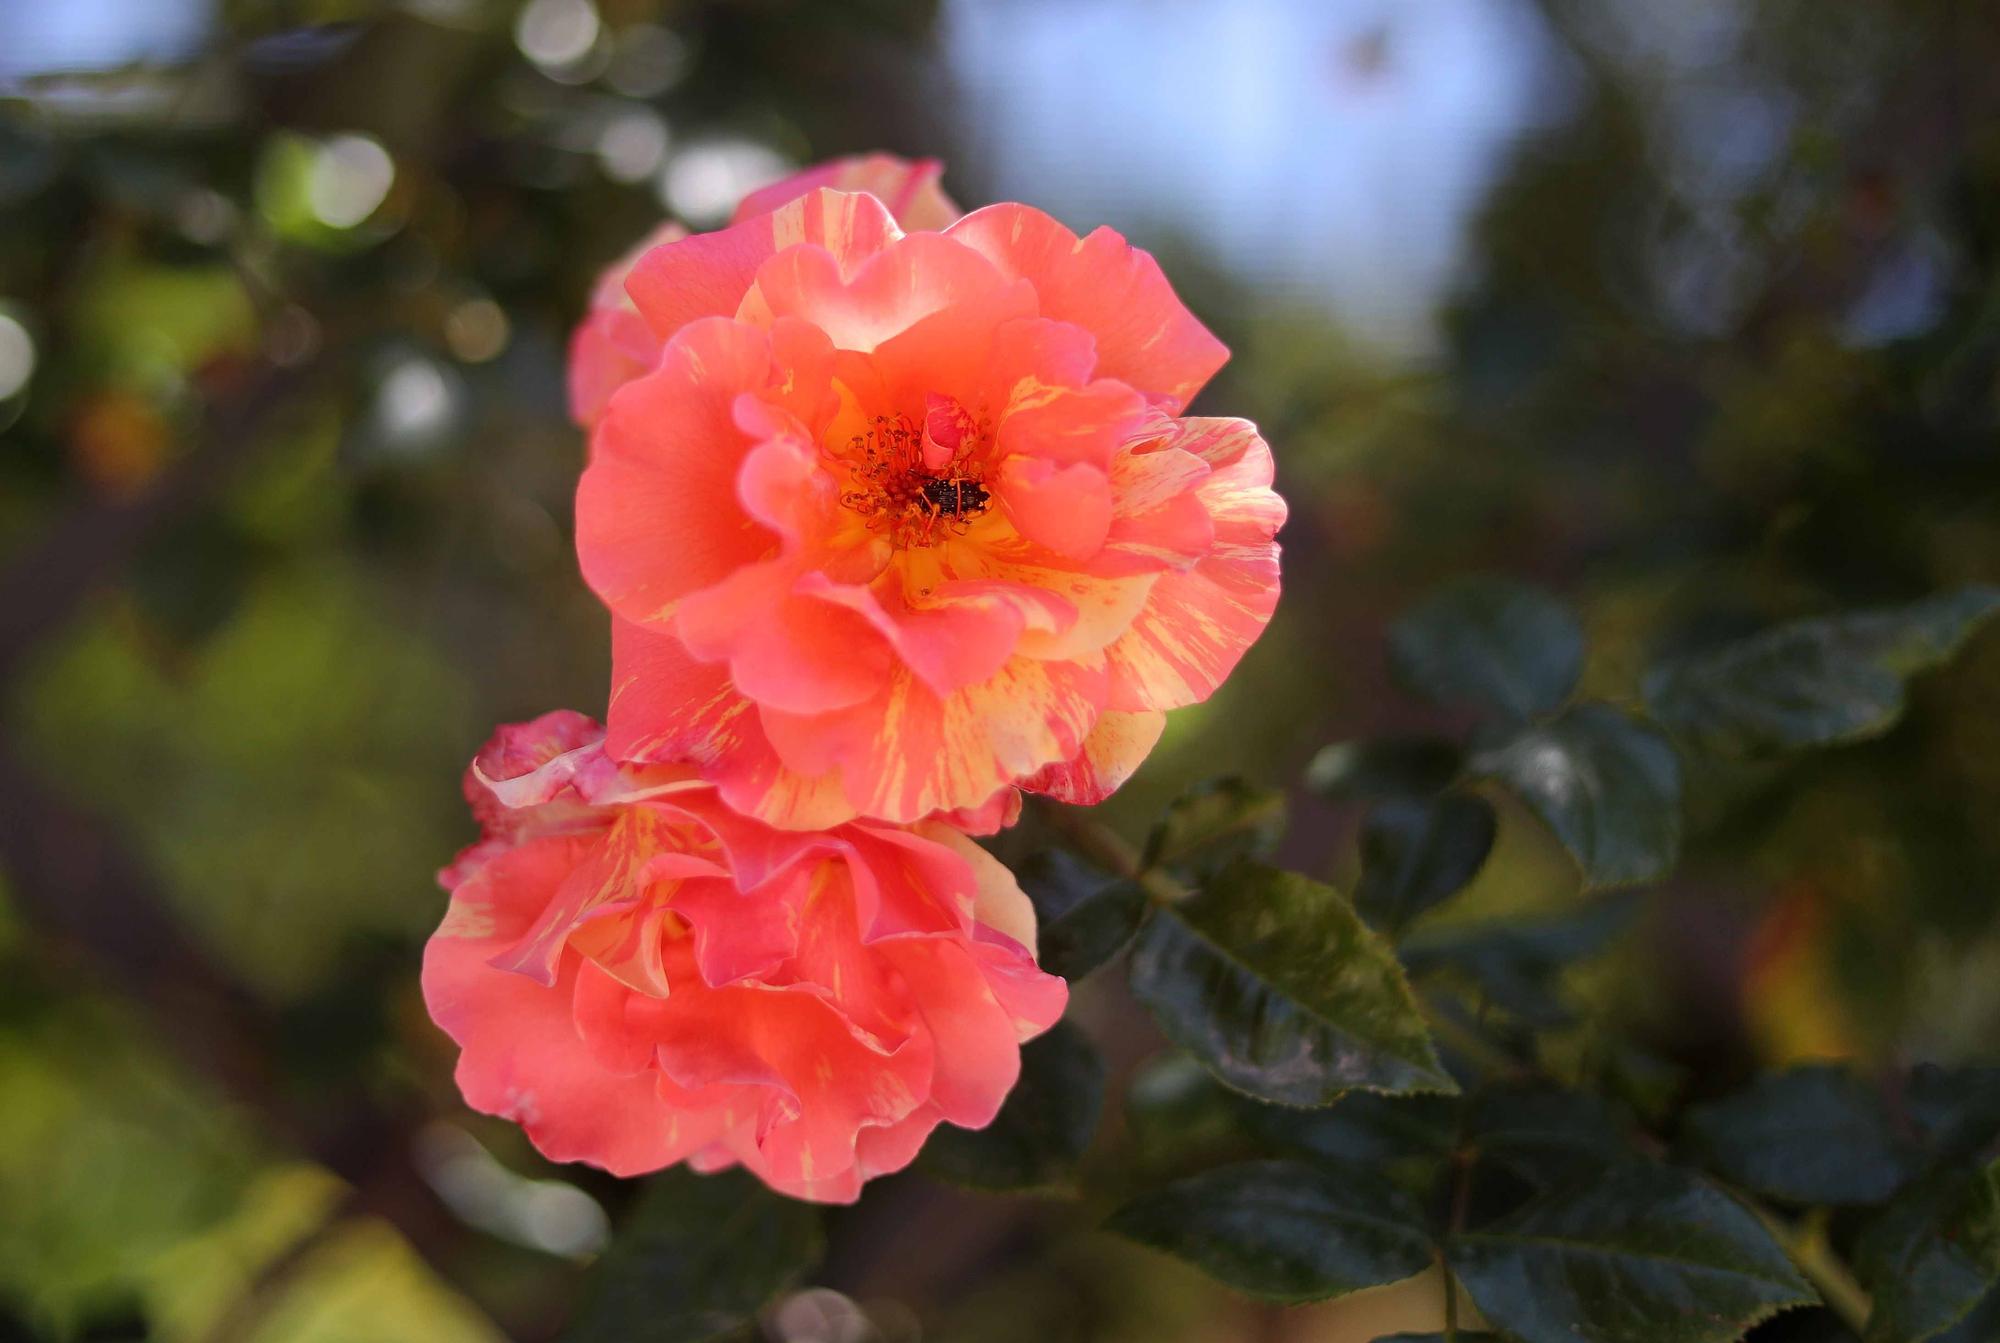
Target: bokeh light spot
633,145
349,178
476,330
291,337
205,216
704,181
648,61
414,402
17,356
557,34
549,1215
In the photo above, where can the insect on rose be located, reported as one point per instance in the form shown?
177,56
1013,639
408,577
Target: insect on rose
907,481
956,498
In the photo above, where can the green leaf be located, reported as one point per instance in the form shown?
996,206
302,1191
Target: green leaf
1363,1128
1607,785
1813,682
1043,1130
1956,1111
1814,1135
1980,1325
1516,961
1387,767
1416,855
1085,916
1489,642
696,1259
1636,1254
1274,983
1933,1257
1546,1137
1284,1231
1407,1140
1215,822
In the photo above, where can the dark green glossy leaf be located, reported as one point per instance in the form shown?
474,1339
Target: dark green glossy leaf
1407,1140
1388,767
696,1259
1282,1230
1956,1111
1362,1128
1933,1256
1813,1135
1635,1254
1546,1137
1515,962
1813,682
1041,1132
1085,916
1980,1325
1215,822
1489,642
1416,855
1608,785
1274,983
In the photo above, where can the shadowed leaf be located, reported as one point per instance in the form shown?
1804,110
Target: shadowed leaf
1956,1111
1500,645
1417,855
1813,682
1043,1130
1608,785
1406,1140
1274,983
1546,1137
1284,1231
1516,961
1813,1135
1636,1254
1215,822
1084,916
695,1260
1932,1259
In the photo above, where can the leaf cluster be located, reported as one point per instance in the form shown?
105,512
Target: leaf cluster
1360,1085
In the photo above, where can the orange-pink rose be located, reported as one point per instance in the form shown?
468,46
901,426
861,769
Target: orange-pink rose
639,976
898,521
613,344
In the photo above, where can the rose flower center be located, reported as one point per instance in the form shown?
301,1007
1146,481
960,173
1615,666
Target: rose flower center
918,482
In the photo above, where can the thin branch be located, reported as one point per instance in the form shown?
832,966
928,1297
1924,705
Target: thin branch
1806,1242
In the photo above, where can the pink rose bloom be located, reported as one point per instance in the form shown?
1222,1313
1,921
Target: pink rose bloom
899,521
613,344
639,976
